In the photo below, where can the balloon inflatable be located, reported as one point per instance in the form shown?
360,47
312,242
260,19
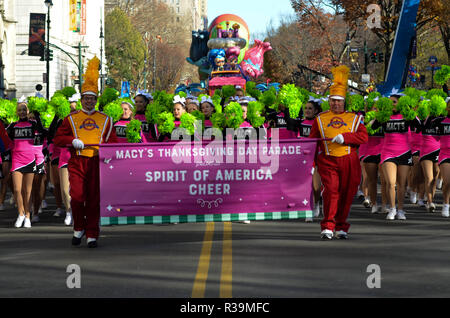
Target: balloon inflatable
224,58
254,59
229,30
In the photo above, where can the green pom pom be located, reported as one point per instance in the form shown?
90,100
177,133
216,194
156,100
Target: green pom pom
153,110
269,99
371,115
251,90
436,91
385,108
370,103
228,91
437,106
291,97
423,111
355,103
218,120
254,114
61,106
166,123
37,104
114,110
47,117
188,122
109,95
133,131
443,75
8,111
234,115
406,107
199,116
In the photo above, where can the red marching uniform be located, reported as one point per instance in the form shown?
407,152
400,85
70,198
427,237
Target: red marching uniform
338,165
92,128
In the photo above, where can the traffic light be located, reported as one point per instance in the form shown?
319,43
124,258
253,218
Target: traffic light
50,55
374,57
381,57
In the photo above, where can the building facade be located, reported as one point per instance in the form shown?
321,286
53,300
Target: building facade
69,47
8,44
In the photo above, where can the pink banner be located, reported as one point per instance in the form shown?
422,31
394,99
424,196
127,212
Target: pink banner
162,179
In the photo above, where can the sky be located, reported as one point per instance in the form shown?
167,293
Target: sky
257,13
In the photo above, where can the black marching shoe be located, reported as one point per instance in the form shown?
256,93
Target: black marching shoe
92,243
76,239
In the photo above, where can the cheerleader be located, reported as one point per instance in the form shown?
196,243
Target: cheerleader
207,108
121,125
39,174
444,157
371,162
63,164
141,102
429,156
311,109
396,157
6,181
22,133
416,181
179,109
192,106
281,121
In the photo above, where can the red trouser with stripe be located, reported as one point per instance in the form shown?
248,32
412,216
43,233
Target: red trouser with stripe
340,177
84,178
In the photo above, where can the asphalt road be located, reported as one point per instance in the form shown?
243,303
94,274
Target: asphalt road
264,259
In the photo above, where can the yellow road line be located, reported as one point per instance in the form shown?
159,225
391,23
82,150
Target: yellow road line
227,263
198,291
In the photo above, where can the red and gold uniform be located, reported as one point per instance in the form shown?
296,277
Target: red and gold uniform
338,165
337,159
93,129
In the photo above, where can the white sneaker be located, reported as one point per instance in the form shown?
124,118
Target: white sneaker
360,194
445,210
20,220
309,220
431,207
385,209
59,212
27,223
392,213
366,203
44,204
35,219
421,203
374,209
11,200
68,219
401,215
413,197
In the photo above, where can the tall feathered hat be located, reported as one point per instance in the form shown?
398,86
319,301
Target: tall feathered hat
90,84
340,82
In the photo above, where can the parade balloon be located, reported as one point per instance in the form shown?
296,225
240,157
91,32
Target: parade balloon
252,65
229,30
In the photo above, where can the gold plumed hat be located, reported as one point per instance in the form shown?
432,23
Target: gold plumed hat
90,84
340,82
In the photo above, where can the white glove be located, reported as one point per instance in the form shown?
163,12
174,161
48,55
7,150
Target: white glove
78,144
338,139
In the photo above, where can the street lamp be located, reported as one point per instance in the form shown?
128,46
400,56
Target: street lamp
154,62
48,4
